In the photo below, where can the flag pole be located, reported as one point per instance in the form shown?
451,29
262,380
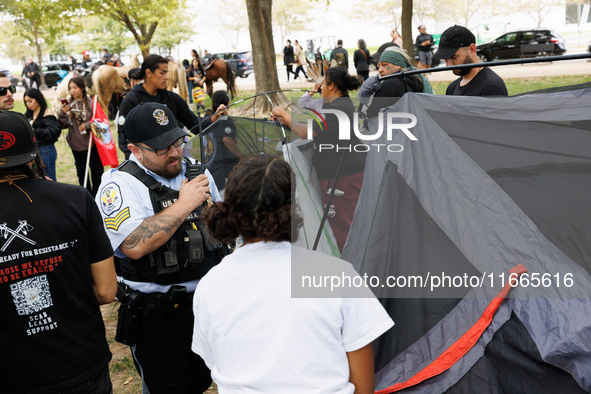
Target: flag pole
89,145
88,159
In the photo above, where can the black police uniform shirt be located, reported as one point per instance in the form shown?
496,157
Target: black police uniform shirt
52,328
220,161
485,83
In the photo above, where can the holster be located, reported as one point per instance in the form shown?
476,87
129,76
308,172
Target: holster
130,315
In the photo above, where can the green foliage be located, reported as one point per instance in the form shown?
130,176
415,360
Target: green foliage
230,25
289,16
12,44
44,20
99,32
172,35
140,17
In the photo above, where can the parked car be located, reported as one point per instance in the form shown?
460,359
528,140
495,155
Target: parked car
522,43
241,62
55,71
13,79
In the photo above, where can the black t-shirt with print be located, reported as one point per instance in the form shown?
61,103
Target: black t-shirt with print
52,328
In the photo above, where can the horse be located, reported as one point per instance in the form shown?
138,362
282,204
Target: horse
106,80
177,78
220,69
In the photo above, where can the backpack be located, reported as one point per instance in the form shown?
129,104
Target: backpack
340,58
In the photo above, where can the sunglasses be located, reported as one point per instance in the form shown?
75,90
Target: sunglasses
3,91
161,152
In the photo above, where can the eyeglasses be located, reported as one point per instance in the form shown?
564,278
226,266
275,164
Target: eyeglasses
162,152
3,91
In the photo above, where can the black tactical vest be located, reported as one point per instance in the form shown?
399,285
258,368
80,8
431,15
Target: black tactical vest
189,254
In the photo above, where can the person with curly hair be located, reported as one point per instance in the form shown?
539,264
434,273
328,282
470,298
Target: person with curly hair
249,330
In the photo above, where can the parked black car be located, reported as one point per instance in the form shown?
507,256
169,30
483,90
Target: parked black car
54,72
13,79
241,62
523,43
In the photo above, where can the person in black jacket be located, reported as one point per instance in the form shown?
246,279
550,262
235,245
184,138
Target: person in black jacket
288,58
46,126
154,71
361,60
33,73
390,90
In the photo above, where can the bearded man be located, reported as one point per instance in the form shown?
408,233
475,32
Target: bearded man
151,212
458,46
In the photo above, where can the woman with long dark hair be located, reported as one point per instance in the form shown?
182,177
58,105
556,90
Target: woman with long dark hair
338,156
196,74
249,330
46,126
361,60
75,115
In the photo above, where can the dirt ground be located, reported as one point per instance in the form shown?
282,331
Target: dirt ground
123,373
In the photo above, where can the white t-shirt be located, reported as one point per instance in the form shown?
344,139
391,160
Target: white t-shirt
256,338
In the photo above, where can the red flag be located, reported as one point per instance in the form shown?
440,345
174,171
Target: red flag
101,134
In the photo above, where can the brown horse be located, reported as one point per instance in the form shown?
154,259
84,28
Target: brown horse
220,69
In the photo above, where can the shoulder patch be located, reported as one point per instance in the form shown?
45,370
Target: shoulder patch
111,199
121,120
114,222
228,130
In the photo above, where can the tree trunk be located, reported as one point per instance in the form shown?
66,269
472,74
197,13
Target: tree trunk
39,56
406,22
145,48
263,53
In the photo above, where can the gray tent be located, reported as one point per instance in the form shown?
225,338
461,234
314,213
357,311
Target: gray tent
491,184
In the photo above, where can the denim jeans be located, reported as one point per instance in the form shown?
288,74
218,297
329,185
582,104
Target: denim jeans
49,156
190,89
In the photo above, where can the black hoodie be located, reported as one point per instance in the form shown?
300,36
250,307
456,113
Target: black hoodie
181,111
391,91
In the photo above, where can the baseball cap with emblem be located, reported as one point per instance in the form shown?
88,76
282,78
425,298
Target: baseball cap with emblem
154,125
17,140
452,39
85,53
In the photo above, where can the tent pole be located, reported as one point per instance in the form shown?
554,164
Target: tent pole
489,64
327,207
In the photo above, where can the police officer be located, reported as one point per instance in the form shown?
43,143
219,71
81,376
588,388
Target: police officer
151,212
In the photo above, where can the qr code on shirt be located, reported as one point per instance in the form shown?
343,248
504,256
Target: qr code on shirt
31,295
